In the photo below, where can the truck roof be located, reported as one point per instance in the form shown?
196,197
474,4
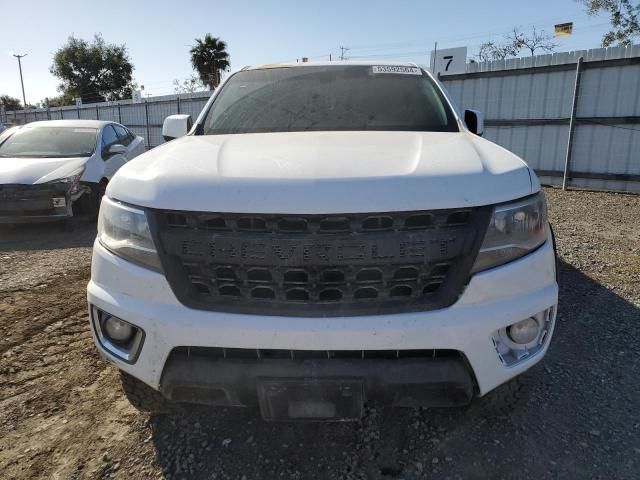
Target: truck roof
338,63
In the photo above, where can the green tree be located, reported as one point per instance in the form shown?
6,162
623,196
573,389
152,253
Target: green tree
10,103
94,71
624,17
209,57
60,101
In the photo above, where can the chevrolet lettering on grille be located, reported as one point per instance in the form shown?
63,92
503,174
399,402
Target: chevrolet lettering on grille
388,248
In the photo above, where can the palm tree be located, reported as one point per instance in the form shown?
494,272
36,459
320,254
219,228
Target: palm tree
209,57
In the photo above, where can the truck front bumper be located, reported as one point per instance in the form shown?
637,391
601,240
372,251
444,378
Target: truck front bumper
308,386
184,351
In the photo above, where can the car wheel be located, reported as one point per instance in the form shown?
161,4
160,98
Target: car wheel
85,205
102,190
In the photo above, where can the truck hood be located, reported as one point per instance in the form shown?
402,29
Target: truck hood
37,170
322,172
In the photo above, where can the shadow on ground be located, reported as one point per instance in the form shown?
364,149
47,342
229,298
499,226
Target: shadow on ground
47,236
580,421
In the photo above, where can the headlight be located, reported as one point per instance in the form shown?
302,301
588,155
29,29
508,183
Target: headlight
72,181
515,230
124,231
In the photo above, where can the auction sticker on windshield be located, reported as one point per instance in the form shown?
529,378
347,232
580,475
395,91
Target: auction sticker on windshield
398,69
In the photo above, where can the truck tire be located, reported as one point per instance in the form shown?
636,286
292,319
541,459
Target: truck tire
142,396
505,398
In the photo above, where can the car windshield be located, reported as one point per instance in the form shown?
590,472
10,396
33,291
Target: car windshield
329,98
49,142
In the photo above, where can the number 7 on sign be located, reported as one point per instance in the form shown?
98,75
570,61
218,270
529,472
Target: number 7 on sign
450,58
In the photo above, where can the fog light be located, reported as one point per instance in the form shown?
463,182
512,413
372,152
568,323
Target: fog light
525,331
522,340
117,330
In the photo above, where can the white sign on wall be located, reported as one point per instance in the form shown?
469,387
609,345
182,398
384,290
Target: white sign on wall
449,61
136,96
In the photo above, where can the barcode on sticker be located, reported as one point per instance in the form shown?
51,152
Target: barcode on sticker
398,69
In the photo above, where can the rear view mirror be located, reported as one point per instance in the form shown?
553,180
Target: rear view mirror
475,121
175,126
117,148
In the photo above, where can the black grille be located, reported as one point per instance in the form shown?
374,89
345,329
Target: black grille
17,199
319,265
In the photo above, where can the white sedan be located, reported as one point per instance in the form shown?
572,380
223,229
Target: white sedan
50,170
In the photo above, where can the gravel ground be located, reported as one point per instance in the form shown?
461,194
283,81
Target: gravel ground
62,414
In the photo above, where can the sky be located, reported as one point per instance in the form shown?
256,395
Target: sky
158,34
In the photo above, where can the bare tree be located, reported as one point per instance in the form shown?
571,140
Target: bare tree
485,52
189,85
534,41
624,17
514,43
492,51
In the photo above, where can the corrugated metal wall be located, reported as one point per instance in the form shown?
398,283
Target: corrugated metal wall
528,103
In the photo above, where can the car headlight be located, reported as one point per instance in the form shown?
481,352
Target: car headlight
72,182
516,229
124,231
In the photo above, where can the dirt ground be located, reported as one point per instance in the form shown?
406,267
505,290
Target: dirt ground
63,416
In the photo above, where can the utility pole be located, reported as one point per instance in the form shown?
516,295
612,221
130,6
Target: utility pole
343,50
435,56
24,98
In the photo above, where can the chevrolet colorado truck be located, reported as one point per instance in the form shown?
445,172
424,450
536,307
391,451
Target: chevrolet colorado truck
324,235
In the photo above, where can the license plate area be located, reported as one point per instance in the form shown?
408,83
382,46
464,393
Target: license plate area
308,399
58,202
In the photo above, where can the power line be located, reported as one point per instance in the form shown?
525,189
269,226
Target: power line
381,49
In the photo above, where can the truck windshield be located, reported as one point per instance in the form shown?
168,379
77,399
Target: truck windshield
329,98
49,142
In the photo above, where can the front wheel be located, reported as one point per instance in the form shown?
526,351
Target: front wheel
102,191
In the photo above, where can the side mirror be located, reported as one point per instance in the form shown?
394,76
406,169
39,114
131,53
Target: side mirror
175,126
116,149
475,121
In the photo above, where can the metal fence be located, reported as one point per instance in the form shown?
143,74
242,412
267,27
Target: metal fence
144,118
574,117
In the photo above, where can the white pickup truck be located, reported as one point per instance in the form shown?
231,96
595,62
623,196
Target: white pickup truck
324,235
